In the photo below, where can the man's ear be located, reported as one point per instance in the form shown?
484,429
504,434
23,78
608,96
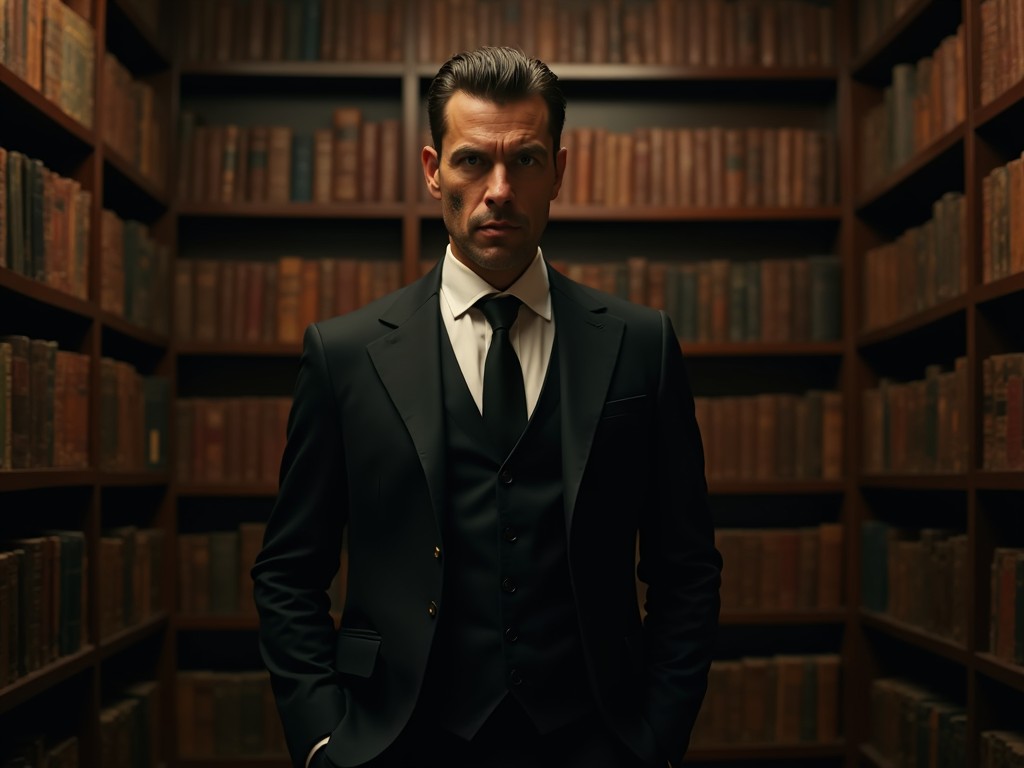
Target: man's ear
432,171
560,158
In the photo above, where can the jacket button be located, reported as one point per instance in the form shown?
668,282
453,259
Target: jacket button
515,678
432,609
508,585
509,534
506,476
511,635
437,553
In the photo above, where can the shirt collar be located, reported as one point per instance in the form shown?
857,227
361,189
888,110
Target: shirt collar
462,287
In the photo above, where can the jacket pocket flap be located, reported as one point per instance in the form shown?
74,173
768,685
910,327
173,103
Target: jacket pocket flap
356,652
623,406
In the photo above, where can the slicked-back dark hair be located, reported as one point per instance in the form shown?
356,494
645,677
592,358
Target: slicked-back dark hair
499,75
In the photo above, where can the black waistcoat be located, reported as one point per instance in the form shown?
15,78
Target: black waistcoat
507,619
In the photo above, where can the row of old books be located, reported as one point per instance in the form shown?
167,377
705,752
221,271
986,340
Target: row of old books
1002,413
1006,611
911,725
135,271
135,121
874,18
1002,43
44,405
273,301
772,436
293,30
353,160
722,300
134,418
918,427
40,752
700,167
230,439
924,101
130,728
693,33
924,266
1001,749
43,601
44,224
782,699
131,577
227,714
917,577
1002,216
214,572
53,49
782,569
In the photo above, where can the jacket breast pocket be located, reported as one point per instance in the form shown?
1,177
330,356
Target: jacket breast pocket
624,406
356,652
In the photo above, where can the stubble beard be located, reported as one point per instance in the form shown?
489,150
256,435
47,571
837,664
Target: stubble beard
497,258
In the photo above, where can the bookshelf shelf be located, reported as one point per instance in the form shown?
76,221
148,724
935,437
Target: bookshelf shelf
763,349
136,43
790,618
37,113
129,636
1000,670
133,479
132,181
912,34
14,286
1003,288
41,479
999,481
359,211
916,637
34,683
916,482
227,490
239,349
1007,106
775,487
921,173
290,70
752,752
122,327
921,321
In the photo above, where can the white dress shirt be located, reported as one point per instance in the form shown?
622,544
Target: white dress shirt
532,335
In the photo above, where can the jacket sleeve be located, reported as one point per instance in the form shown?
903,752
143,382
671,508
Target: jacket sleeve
679,563
300,556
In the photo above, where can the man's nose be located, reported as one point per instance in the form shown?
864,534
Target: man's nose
499,187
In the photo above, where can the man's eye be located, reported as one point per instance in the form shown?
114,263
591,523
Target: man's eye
527,160
471,160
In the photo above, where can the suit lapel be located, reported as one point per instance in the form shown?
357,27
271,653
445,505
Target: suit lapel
408,361
588,344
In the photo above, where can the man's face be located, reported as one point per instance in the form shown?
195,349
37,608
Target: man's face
495,179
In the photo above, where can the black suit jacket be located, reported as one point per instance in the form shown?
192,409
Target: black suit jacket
366,448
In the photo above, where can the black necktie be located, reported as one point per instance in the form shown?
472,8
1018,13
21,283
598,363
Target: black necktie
504,392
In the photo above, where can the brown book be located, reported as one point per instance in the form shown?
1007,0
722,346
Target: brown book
390,166
369,162
279,164
289,294
347,129
323,153
259,147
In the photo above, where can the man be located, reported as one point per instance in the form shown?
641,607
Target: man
494,468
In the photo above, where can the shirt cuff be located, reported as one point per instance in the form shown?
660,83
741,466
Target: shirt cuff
318,745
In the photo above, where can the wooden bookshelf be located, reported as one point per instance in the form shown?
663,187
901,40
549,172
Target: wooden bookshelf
62,697
978,322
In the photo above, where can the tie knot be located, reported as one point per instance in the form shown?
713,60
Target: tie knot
500,311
